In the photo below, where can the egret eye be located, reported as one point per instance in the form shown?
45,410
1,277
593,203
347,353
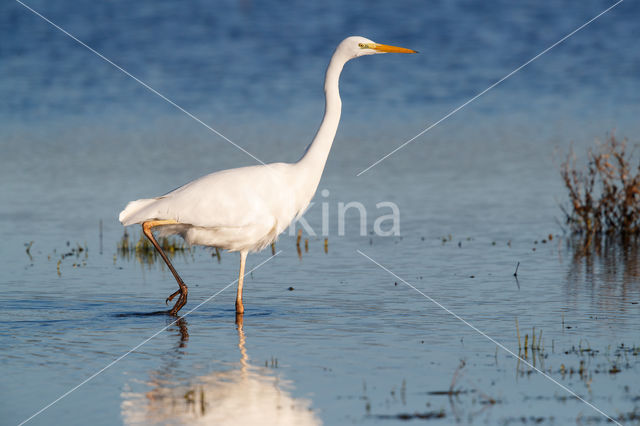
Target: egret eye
362,45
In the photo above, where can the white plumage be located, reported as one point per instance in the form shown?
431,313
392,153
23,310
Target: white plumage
238,209
245,209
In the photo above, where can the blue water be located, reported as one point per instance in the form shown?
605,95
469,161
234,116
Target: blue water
477,194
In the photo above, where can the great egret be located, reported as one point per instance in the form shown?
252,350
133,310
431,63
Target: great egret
245,209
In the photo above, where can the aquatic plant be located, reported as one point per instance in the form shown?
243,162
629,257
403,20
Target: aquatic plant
605,196
143,250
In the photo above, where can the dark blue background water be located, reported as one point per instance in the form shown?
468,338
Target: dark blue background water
78,139
237,59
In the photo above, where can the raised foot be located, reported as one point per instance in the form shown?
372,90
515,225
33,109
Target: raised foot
182,300
170,298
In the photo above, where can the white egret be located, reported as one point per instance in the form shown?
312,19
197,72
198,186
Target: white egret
245,209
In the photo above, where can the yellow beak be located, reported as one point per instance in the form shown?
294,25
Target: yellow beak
391,49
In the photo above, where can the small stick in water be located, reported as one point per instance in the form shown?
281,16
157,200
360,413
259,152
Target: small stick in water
28,250
515,274
533,339
518,331
326,245
540,340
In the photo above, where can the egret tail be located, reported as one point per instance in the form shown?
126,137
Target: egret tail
131,213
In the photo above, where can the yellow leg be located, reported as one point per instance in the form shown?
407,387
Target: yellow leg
146,229
239,305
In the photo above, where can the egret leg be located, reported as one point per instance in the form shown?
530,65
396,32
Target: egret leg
182,300
239,305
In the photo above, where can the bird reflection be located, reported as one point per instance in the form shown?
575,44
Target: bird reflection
246,395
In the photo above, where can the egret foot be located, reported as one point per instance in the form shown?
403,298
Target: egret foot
182,300
170,298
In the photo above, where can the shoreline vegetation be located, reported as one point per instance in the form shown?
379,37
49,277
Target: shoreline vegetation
604,195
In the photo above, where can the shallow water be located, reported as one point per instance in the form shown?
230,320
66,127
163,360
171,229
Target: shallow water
477,195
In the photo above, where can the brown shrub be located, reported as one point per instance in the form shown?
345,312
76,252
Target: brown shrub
604,197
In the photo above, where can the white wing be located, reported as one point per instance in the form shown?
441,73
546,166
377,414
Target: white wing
229,198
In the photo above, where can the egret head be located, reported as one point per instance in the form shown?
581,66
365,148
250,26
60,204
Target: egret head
355,46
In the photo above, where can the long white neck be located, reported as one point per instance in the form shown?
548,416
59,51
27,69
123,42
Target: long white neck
312,163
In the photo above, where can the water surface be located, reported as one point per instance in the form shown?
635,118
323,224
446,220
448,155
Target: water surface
350,343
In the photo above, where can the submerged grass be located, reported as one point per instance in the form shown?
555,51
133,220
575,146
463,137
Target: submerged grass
144,252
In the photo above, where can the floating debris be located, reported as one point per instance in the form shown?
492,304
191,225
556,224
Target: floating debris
407,416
